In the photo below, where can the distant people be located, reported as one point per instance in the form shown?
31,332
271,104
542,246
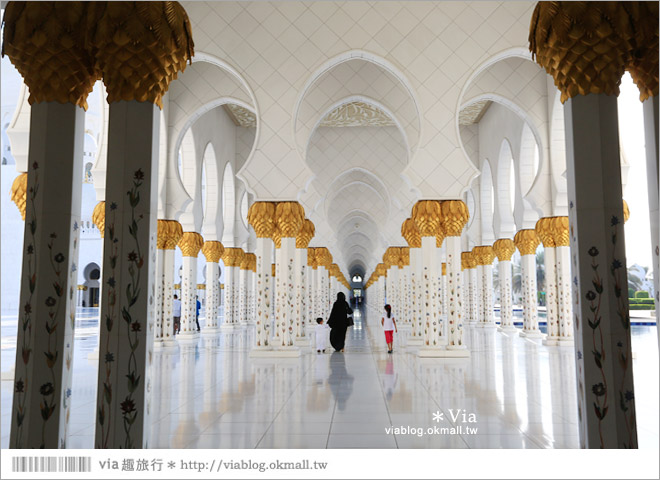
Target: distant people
389,324
177,315
321,334
338,322
197,307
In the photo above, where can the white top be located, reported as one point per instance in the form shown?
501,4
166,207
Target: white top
321,331
388,323
176,308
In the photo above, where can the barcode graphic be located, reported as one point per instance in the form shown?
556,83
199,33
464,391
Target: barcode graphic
51,464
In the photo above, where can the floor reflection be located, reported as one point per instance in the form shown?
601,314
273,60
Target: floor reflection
210,394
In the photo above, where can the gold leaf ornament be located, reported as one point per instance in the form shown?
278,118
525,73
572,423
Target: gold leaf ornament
526,241
213,251
139,47
190,244
19,193
504,248
169,234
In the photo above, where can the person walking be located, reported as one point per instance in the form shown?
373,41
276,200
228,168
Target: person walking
176,307
321,334
198,305
338,322
389,324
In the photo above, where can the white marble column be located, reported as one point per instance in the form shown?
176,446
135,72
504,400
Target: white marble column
324,286
243,290
169,234
289,219
434,337
406,295
443,287
48,279
285,295
303,320
527,241
651,126
504,249
264,294
232,258
127,309
561,239
478,288
469,287
455,292
252,287
485,256
602,334
213,251
543,231
190,244
416,336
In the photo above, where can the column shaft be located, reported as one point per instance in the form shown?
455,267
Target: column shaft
529,297
416,296
487,315
159,329
188,296
606,399
263,292
285,293
564,304
212,296
229,297
454,294
129,251
168,297
44,347
302,291
473,301
242,297
651,125
506,300
551,297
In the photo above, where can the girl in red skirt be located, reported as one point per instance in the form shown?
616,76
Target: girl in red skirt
389,324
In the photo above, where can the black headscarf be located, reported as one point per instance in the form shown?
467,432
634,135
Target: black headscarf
340,310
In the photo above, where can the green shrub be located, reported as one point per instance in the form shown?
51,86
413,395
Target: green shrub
631,293
641,301
642,294
642,307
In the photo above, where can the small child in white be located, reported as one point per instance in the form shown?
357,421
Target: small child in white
321,333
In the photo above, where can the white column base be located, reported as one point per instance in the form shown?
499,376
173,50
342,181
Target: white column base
449,352
210,331
284,352
260,352
507,329
415,342
532,334
230,327
551,342
187,338
568,342
166,345
486,325
302,342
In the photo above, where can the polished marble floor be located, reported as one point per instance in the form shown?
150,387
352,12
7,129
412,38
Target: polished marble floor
212,394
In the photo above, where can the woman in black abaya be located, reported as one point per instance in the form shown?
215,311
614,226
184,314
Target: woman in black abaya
338,322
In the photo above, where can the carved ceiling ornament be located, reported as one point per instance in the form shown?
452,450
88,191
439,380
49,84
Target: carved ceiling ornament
357,114
242,117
